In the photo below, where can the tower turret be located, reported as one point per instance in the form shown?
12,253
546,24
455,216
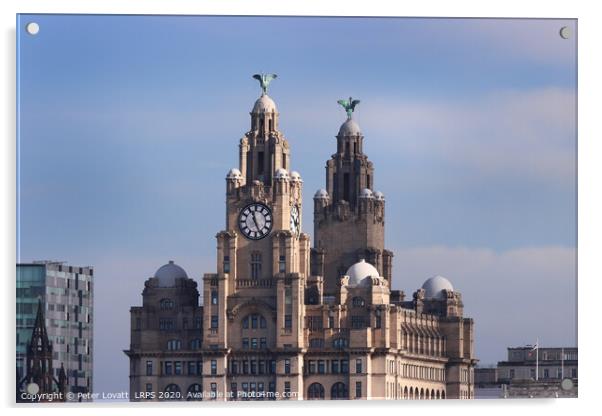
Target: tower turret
348,214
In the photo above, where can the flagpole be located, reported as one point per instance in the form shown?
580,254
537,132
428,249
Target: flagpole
537,360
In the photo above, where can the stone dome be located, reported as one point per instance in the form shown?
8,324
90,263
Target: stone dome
264,104
168,273
379,196
366,193
361,273
281,174
321,194
349,128
234,174
433,287
295,176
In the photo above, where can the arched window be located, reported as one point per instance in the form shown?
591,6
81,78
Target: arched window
358,302
315,391
195,344
172,392
166,304
195,392
339,391
174,344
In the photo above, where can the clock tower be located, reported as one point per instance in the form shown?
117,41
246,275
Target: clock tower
256,296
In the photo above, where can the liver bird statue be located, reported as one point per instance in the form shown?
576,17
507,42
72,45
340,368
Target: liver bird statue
349,105
264,81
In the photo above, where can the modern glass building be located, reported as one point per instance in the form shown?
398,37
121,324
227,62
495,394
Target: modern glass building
66,293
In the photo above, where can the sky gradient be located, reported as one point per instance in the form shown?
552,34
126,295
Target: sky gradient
128,125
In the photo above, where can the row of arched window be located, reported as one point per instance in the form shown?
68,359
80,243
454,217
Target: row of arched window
414,393
316,391
339,390
415,371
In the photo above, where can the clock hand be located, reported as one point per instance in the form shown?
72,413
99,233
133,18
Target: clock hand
255,221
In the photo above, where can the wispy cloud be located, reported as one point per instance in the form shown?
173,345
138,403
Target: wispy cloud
514,296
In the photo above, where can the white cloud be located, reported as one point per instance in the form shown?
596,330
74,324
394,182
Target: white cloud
508,134
514,296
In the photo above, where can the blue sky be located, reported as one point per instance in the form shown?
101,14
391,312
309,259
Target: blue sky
128,125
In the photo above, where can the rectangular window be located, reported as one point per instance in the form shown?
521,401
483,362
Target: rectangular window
312,367
287,366
177,369
199,367
214,297
357,322
260,162
191,368
546,373
261,367
287,390
321,368
334,367
245,367
213,391
282,264
234,390
234,367
226,264
263,343
253,367
149,368
288,321
283,160
253,343
272,366
288,296
346,188
358,389
213,367
168,367
245,343
254,321
344,366
358,366
256,266
331,322
214,321
149,387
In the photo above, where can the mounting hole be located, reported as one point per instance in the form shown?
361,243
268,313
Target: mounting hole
565,32
32,28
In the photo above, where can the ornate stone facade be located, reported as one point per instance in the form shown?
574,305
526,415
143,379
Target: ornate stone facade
282,320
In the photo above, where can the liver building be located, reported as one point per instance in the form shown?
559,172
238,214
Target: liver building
283,320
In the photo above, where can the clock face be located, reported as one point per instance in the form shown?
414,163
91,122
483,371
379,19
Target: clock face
255,221
295,221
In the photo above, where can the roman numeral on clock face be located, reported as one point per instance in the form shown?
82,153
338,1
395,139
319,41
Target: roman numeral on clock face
255,221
